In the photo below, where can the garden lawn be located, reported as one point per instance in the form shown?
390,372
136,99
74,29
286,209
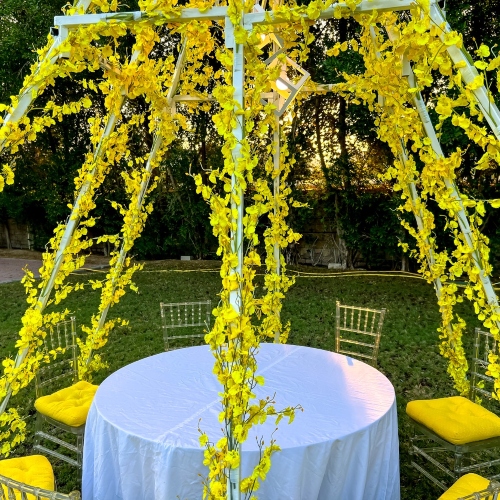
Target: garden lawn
408,356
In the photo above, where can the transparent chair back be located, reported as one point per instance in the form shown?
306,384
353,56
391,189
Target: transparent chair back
62,371
481,385
14,490
185,324
52,437
358,331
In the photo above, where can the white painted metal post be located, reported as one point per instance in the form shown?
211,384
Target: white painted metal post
233,481
417,212
276,191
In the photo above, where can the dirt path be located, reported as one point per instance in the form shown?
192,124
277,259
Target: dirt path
12,263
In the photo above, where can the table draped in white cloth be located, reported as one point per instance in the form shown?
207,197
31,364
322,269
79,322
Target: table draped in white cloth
141,438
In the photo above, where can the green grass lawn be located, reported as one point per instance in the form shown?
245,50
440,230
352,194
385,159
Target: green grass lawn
408,355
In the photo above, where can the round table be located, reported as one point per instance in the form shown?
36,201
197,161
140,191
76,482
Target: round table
141,437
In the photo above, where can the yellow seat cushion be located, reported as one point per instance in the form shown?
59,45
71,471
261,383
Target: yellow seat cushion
70,405
466,485
34,470
455,419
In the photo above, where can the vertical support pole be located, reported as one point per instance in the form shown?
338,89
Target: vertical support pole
276,186
237,204
276,191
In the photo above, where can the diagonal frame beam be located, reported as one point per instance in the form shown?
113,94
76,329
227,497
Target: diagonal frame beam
125,246
413,194
151,162
463,219
28,96
468,73
71,226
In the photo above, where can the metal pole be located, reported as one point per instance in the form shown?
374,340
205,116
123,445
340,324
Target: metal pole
157,143
72,224
235,297
276,191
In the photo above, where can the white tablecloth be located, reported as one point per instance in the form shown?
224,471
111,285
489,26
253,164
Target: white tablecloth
141,439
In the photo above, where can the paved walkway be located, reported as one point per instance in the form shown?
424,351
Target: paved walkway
12,269
12,263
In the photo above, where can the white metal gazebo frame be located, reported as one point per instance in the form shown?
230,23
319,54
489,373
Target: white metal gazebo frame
65,24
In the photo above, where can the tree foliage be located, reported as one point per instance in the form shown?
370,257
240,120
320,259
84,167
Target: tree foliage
334,143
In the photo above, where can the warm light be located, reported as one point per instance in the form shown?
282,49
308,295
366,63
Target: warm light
286,89
281,84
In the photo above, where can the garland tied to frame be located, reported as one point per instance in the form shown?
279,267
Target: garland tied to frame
236,335
424,44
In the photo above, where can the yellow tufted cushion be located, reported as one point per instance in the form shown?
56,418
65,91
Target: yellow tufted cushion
470,483
70,405
34,470
455,419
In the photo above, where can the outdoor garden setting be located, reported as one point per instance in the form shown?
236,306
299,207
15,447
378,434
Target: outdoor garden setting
192,145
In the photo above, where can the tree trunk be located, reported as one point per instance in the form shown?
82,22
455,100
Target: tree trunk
7,234
343,251
317,118
405,263
343,164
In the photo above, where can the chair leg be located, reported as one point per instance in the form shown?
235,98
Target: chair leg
79,445
419,454
457,466
38,429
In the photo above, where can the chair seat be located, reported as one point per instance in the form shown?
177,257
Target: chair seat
466,485
70,405
33,470
455,419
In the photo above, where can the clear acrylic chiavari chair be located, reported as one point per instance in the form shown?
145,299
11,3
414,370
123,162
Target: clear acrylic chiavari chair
181,322
358,331
15,490
455,436
62,400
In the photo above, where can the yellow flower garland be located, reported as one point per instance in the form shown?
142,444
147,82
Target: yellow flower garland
386,44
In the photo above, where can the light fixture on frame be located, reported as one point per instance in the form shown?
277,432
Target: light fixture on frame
286,87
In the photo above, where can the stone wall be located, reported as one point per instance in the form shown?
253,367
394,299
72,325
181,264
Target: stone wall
14,235
318,249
